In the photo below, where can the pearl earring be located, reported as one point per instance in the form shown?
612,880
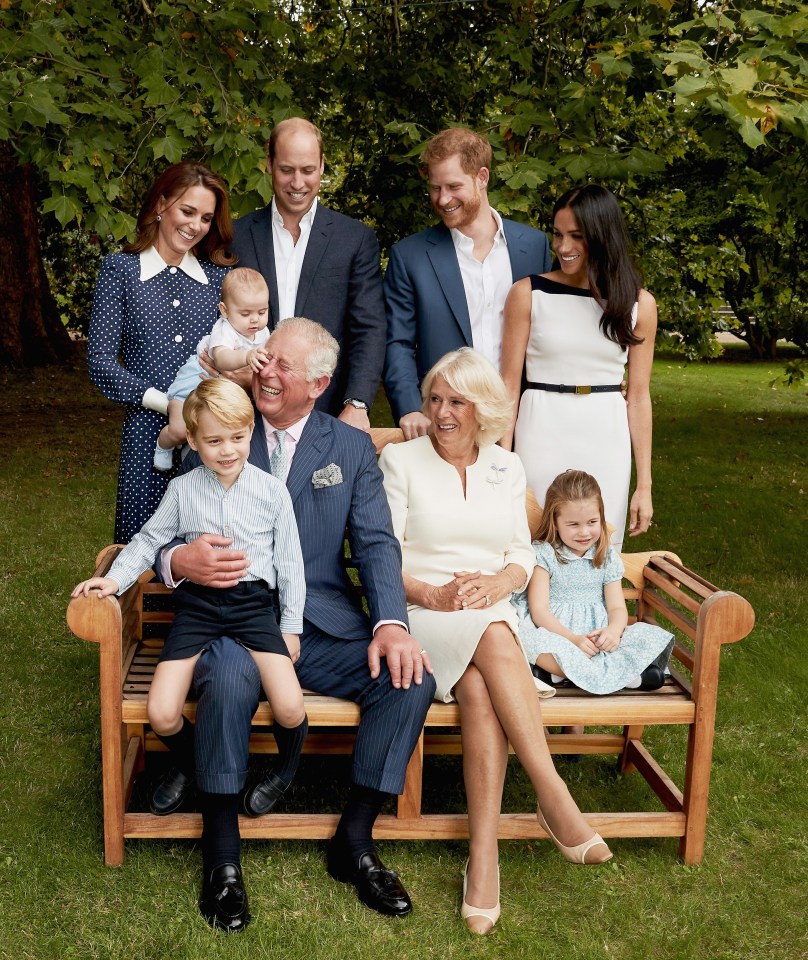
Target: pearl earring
159,218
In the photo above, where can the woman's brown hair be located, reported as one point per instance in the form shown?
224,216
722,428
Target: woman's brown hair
170,186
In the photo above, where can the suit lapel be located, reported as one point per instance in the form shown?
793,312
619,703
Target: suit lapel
259,456
314,441
261,230
443,257
518,253
319,239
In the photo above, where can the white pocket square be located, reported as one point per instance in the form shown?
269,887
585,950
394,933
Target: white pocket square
329,476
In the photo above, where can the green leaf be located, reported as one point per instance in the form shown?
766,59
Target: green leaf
751,135
741,78
64,207
172,147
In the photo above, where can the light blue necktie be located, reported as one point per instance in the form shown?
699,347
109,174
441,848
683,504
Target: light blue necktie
279,461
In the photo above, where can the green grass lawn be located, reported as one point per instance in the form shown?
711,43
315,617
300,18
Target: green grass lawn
729,495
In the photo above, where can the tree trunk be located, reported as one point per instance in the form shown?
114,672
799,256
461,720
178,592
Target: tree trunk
31,332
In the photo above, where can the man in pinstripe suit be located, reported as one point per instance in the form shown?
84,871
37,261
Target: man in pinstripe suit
334,481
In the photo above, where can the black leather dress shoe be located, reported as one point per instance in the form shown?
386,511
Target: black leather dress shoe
170,792
652,678
377,887
223,902
263,797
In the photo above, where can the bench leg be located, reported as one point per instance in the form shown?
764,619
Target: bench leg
113,751
697,790
409,802
633,732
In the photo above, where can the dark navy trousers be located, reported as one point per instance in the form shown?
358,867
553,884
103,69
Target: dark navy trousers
228,688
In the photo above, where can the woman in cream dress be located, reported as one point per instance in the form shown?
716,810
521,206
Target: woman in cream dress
458,507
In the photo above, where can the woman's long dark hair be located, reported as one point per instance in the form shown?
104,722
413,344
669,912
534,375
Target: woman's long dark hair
170,186
614,279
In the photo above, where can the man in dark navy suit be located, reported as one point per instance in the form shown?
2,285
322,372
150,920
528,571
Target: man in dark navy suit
319,264
445,287
334,482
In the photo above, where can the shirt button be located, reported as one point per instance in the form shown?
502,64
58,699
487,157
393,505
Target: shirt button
176,303
172,269
178,338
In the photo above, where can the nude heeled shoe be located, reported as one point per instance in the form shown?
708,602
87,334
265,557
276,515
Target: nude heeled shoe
467,911
576,854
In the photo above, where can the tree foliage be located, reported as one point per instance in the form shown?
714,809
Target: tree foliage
694,112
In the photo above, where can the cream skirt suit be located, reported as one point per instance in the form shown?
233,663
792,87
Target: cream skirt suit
442,532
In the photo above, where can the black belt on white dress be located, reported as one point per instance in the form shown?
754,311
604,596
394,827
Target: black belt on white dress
567,388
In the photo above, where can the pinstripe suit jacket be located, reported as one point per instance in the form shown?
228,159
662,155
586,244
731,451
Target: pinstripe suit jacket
359,504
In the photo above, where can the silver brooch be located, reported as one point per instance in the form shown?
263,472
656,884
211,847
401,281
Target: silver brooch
495,477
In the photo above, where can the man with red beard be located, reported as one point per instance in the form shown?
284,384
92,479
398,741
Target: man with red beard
445,287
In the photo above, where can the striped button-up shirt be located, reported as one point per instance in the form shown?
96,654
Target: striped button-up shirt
256,512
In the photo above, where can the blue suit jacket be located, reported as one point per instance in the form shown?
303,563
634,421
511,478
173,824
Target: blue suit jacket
340,287
359,504
427,312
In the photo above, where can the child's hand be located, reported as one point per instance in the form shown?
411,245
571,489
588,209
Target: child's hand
607,639
256,358
104,585
292,641
586,645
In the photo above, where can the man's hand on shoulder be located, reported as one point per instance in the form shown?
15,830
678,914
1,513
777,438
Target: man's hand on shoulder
414,425
406,661
206,562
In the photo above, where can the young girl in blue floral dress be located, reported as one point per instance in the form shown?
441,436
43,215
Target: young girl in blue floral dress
573,621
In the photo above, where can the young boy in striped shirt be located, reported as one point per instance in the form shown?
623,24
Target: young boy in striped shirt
229,496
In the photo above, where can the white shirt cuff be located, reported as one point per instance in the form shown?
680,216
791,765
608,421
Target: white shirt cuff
397,623
154,399
165,568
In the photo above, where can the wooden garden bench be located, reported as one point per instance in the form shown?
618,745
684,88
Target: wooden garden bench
659,589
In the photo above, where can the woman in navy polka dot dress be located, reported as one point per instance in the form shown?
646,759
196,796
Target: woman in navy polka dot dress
152,304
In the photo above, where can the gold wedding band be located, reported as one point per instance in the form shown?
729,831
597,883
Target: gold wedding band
487,600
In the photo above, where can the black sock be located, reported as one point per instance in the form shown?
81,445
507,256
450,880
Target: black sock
221,842
355,828
290,743
181,745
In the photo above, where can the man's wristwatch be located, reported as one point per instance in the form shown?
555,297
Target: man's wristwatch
359,404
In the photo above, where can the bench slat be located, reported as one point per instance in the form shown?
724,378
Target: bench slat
676,572
291,826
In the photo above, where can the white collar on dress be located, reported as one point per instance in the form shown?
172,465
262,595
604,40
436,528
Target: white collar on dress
151,263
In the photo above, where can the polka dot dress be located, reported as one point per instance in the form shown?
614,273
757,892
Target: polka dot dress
141,332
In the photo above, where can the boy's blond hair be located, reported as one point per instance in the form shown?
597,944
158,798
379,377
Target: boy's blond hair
225,401
243,278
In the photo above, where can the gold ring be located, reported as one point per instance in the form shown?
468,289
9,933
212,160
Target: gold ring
487,600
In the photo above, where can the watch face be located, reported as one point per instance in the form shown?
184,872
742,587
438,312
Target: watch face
359,404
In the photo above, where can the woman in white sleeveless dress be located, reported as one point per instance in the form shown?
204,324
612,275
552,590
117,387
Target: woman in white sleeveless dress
573,329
